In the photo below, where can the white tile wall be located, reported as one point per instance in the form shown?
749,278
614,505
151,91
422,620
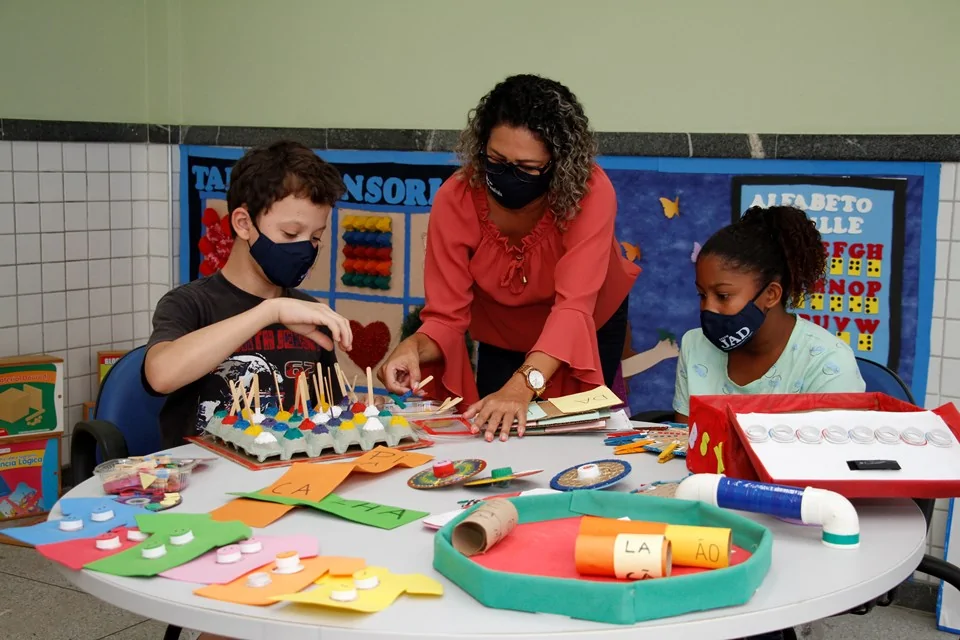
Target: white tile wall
85,237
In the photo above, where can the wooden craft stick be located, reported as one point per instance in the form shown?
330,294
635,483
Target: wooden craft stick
369,387
316,388
246,397
235,394
255,390
340,379
353,389
449,403
296,395
305,394
423,383
329,383
276,385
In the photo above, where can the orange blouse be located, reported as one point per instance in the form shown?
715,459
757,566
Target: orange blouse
548,294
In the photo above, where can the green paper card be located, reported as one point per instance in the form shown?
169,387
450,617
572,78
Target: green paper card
369,513
184,537
534,412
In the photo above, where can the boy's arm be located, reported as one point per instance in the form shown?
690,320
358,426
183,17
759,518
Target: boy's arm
172,364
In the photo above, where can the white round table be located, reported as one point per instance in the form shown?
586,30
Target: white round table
807,580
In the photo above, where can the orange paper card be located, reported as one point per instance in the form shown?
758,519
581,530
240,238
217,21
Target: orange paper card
384,458
253,513
240,591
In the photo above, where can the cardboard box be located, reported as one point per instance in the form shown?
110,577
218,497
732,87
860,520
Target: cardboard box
29,475
31,395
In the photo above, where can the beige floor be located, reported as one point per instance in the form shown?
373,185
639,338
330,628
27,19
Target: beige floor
31,589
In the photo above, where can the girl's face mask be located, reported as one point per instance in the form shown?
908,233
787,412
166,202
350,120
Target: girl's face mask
729,332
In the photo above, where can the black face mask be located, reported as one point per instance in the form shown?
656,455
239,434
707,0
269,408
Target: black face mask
512,187
730,332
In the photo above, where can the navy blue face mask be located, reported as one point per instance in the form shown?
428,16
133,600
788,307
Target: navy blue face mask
285,264
730,332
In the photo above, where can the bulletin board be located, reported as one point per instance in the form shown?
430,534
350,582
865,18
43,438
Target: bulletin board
878,221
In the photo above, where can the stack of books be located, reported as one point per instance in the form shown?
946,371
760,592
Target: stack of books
586,412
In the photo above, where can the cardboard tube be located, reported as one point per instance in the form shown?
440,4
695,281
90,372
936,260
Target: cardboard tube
485,527
704,547
627,556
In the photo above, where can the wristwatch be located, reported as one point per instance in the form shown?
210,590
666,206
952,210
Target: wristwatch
534,379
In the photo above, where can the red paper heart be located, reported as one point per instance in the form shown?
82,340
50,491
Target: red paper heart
370,343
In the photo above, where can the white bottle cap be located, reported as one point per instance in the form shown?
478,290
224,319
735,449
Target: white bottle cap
108,542
229,554
152,552
365,579
343,592
258,580
251,545
336,411
257,417
71,524
135,535
288,562
181,537
588,472
371,411
103,514
373,424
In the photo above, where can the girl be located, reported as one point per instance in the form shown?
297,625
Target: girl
747,274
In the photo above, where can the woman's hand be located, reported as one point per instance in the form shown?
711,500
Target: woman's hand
501,409
401,370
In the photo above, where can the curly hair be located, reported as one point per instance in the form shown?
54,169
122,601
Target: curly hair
552,112
266,175
778,244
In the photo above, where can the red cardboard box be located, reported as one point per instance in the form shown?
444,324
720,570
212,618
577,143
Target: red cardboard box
717,443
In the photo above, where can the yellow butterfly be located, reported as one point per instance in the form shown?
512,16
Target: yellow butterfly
671,208
632,251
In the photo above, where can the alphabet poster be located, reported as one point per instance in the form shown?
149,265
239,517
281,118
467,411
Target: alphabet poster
878,221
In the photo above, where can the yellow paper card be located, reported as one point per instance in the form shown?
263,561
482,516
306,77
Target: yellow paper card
599,398
370,600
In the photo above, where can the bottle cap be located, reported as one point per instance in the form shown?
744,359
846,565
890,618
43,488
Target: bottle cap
108,542
71,524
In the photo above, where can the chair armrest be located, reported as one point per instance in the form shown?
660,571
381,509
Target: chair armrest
940,569
90,436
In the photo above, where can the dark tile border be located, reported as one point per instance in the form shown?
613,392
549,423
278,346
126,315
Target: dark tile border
921,596
923,148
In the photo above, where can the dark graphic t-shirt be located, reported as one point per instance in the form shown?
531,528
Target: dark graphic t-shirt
275,353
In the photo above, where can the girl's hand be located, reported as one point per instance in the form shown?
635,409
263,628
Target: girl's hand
500,410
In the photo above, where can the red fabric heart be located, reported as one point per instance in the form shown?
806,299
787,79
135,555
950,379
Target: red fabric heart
370,343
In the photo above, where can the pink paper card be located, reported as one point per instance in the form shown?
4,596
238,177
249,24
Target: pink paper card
224,565
73,554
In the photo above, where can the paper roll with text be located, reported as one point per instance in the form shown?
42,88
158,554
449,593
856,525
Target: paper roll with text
703,547
627,556
490,523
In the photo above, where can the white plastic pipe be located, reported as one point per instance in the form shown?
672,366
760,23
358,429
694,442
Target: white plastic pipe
830,510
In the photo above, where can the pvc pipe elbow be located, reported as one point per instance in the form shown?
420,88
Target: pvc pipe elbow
700,487
837,516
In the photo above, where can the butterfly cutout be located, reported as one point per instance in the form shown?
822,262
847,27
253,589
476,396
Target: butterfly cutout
632,251
671,208
696,252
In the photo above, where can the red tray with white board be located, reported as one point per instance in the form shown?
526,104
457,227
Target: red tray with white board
927,471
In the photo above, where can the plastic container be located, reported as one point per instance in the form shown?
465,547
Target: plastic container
166,475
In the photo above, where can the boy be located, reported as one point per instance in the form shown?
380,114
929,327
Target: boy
248,319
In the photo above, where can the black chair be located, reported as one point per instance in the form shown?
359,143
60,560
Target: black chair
125,423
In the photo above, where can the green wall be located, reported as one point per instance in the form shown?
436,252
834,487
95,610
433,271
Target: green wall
820,66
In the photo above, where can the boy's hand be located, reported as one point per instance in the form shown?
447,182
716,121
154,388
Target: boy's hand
304,318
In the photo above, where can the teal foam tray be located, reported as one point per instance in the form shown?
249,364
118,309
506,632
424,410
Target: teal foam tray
613,602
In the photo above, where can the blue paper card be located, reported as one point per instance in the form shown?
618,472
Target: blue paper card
84,510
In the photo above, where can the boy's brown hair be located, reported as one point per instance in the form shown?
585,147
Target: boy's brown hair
266,175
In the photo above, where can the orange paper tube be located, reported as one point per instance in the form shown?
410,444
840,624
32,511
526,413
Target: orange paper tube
627,556
704,547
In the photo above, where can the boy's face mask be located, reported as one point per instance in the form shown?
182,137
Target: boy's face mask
285,264
731,332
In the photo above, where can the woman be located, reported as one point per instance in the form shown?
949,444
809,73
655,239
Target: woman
520,252
749,343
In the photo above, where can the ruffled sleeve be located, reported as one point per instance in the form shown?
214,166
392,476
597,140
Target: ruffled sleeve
570,333
452,236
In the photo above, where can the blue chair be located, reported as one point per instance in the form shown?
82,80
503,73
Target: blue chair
125,423
882,380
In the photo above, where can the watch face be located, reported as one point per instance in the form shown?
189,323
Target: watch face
535,378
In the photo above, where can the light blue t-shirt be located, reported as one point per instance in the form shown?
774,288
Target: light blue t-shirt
814,361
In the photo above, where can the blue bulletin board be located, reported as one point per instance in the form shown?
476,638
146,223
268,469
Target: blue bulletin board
878,220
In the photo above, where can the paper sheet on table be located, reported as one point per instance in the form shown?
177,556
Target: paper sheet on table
369,513
593,400
207,570
73,554
49,532
799,461
253,513
534,412
390,587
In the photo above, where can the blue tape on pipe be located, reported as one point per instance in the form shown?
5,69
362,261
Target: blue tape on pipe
759,497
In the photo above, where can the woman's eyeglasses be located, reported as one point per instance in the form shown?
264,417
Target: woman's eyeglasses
526,174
